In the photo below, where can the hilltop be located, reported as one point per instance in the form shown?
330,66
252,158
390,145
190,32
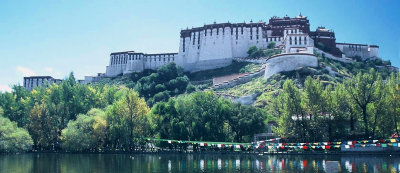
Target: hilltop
329,71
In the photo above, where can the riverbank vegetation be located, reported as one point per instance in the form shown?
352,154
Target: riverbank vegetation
163,104
74,117
364,107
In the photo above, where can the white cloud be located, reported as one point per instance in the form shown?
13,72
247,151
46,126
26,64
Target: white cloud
25,71
48,69
5,88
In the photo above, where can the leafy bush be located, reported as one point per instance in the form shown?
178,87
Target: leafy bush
13,138
255,52
86,132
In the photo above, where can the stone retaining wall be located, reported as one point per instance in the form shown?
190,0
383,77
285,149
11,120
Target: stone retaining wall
289,62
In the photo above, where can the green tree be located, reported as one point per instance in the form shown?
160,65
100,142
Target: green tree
87,132
43,128
246,121
339,110
271,45
252,50
315,106
128,118
17,105
293,122
13,138
362,90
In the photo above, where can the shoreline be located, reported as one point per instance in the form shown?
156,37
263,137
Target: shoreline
397,153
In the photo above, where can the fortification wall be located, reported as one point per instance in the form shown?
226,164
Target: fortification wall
155,61
362,50
207,64
115,70
289,62
202,46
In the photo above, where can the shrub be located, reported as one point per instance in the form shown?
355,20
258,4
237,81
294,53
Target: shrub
13,138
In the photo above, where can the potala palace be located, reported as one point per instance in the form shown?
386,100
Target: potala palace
215,45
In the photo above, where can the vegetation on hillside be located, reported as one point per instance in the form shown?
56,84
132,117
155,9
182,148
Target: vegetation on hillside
255,52
169,80
234,68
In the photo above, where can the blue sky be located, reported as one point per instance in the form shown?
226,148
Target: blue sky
57,37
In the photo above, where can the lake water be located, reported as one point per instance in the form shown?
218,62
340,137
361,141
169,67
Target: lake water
99,163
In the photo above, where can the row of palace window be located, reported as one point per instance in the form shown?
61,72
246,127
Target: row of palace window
355,47
124,59
275,39
223,31
287,26
37,81
295,40
292,31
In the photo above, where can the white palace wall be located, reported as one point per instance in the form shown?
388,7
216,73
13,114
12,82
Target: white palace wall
215,45
362,50
214,48
128,62
289,62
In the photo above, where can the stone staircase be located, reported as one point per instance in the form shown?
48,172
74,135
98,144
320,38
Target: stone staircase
238,79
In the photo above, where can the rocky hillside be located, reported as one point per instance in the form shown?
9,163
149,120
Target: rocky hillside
256,91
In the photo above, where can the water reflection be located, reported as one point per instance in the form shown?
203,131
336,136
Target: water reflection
77,163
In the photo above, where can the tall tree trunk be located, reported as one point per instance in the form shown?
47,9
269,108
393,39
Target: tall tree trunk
131,124
364,111
395,124
329,130
374,128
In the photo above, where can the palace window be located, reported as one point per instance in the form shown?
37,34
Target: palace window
295,40
299,40
290,40
183,45
305,40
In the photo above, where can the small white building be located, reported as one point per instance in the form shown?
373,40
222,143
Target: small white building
36,81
